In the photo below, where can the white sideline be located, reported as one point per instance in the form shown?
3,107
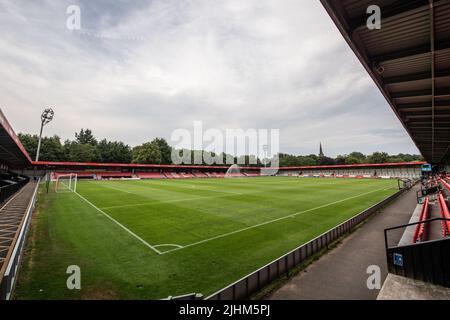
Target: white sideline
119,224
271,221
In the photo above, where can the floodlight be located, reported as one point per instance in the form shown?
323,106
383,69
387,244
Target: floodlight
46,117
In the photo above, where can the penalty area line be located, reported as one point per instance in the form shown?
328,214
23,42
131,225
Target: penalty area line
119,224
169,245
289,216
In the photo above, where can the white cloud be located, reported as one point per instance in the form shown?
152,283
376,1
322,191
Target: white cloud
247,64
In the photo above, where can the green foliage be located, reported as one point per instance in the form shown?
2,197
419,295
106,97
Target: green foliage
147,153
378,157
323,161
77,152
85,136
86,148
114,152
51,147
30,143
165,149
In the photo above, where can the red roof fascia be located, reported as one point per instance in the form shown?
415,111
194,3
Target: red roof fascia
173,166
5,124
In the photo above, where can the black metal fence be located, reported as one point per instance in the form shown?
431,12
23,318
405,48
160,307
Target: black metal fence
257,280
8,190
427,261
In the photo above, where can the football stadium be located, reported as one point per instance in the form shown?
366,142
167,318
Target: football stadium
146,230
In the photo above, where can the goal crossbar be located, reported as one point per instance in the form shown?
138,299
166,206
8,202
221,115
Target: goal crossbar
66,183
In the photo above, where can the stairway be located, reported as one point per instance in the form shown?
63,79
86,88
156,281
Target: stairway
12,215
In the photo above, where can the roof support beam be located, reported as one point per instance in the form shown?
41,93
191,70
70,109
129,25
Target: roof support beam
416,77
440,92
392,10
424,109
409,52
439,103
433,77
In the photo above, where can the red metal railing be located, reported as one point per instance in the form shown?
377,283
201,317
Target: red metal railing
424,215
444,214
445,184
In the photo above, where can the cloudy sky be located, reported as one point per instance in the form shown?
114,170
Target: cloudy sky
141,69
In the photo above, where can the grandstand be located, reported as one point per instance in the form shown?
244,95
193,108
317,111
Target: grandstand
408,59
17,196
99,171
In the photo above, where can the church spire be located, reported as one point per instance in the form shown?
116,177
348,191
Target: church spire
321,155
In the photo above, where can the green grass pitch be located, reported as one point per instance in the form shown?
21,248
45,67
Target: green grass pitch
149,239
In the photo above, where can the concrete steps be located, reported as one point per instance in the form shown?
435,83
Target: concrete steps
11,217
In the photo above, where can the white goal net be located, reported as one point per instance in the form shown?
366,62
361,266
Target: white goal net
66,183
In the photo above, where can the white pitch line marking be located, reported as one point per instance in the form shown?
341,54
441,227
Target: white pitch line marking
168,245
119,224
274,220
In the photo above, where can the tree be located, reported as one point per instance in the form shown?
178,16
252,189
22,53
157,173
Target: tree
77,152
401,157
341,159
165,149
311,160
352,160
326,161
30,143
378,157
148,153
114,152
361,158
51,147
85,137
288,160
86,148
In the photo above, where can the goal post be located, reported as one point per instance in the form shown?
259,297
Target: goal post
66,183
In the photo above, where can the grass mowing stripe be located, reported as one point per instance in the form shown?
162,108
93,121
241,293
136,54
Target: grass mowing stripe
114,188
274,220
184,186
156,202
119,224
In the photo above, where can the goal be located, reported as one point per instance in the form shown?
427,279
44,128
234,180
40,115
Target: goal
66,183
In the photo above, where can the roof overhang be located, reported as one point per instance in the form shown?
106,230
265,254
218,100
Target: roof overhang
409,60
12,151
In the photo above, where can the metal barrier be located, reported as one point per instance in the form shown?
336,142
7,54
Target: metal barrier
7,284
254,282
428,261
8,190
190,296
406,183
421,232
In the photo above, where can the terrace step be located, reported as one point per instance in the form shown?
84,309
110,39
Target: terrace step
11,217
